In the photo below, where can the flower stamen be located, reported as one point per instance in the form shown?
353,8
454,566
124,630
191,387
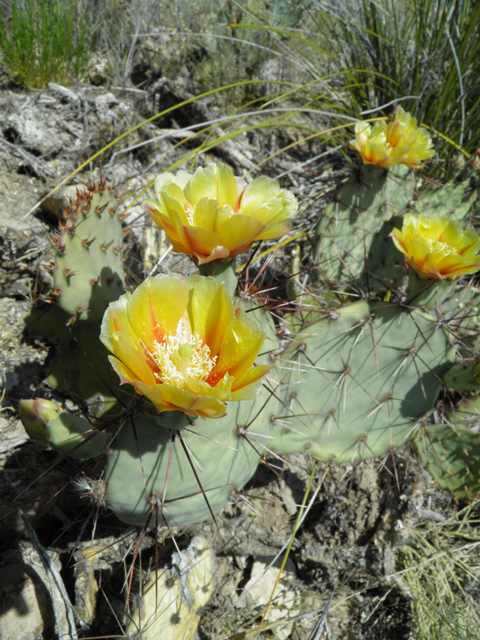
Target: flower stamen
181,355
445,248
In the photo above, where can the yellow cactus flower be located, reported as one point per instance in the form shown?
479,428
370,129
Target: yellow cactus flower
437,248
181,343
211,215
399,141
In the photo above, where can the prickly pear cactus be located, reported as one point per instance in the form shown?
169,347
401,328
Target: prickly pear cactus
172,601
168,459
351,239
360,379
451,454
87,269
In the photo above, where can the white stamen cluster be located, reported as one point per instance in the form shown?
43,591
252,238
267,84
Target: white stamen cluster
183,354
436,245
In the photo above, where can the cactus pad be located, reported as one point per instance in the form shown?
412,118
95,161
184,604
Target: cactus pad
214,451
356,215
359,381
452,457
88,270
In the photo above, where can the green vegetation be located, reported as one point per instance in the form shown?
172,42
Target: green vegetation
368,360
436,569
45,41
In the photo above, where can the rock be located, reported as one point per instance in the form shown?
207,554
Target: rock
26,610
25,605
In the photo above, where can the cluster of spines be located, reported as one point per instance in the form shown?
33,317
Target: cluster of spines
74,215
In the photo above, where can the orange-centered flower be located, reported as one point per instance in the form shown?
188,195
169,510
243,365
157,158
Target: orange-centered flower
211,215
437,248
181,343
398,142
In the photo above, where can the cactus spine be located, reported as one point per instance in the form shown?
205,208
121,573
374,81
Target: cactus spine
87,269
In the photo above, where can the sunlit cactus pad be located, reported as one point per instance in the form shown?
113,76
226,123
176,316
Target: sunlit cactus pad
359,380
88,269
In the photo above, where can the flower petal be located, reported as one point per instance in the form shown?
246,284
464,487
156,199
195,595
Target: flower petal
213,201
155,309
137,364
238,232
240,347
211,311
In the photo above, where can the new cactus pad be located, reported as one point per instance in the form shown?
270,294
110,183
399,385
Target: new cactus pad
87,269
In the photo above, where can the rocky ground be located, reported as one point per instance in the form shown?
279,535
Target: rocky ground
349,571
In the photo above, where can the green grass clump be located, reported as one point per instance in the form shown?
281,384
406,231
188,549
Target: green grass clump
426,50
45,41
441,567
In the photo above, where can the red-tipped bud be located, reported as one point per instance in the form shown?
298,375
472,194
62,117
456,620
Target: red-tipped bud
36,415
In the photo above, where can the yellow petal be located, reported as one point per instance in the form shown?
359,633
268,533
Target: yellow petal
222,391
239,232
136,362
205,215
240,347
267,201
156,307
126,376
216,182
274,230
202,242
210,310
247,387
